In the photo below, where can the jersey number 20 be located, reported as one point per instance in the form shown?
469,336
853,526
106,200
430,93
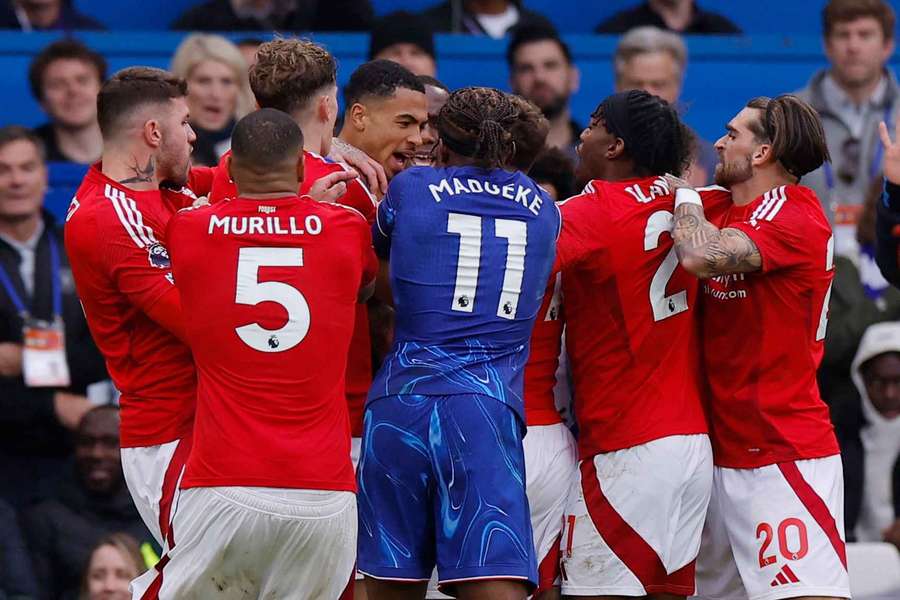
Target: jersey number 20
251,291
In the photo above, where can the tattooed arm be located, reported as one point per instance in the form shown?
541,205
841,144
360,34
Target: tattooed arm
704,249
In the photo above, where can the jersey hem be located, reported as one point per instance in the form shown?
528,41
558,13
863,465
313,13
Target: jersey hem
131,440
586,452
786,458
211,482
796,591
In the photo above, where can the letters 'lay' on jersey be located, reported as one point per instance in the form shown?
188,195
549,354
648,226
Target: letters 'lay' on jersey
471,251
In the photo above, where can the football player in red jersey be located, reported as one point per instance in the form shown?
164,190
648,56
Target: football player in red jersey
637,506
115,240
269,281
775,527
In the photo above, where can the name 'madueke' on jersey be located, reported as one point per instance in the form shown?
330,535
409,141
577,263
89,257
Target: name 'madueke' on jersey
357,196
115,240
269,290
471,252
764,332
631,333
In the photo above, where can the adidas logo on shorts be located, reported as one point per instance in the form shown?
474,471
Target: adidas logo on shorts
785,576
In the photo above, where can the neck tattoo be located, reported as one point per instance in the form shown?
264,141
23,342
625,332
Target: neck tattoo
141,174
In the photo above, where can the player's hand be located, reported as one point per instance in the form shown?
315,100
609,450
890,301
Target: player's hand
368,168
331,187
891,152
676,183
892,534
70,408
10,359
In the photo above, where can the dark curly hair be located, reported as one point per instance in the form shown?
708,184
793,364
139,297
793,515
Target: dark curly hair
379,78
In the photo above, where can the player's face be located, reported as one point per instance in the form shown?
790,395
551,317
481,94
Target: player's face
436,98
23,181
109,574
70,87
97,453
393,128
858,51
410,56
736,149
881,376
177,144
212,95
542,74
654,72
596,143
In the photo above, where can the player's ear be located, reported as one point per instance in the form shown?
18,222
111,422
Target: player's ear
228,167
358,116
615,149
300,167
574,79
762,155
152,133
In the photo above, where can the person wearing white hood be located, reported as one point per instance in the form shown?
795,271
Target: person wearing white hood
871,448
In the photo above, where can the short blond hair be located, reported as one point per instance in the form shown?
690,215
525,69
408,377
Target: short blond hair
201,47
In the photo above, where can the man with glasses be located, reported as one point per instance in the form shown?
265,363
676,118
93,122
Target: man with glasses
852,95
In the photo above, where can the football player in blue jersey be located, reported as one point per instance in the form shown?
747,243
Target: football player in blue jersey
441,477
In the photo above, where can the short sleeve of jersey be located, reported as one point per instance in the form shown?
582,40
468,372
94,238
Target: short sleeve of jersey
201,180
781,233
359,197
384,222
581,232
136,262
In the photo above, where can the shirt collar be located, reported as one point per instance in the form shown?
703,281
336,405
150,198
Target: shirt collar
839,99
29,245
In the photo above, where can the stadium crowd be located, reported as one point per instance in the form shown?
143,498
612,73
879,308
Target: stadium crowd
102,358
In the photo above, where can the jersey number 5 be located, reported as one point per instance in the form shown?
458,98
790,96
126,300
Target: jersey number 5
468,228
251,291
663,306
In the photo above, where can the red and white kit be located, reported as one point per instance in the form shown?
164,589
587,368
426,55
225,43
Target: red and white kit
772,436
268,291
115,240
633,347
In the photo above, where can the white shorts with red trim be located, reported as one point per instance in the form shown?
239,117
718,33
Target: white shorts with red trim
635,517
152,474
355,447
244,542
775,532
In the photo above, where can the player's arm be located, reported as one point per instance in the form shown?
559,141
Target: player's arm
702,248
381,240
887,229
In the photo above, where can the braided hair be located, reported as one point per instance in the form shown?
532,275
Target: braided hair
476,122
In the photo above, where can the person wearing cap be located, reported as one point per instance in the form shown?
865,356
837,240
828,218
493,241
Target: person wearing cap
407,39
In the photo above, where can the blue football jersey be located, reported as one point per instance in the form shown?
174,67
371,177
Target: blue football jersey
471,251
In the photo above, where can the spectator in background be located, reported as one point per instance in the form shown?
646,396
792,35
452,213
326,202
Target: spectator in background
436,94
683,16
37,410
407,39
17,581
654,60
541,70
65,79
277,15
494,18
218,92
96,502
852,95
248,47
42,15
869,435
860,297
114,561
554,171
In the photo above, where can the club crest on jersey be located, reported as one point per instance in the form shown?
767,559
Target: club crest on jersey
158,256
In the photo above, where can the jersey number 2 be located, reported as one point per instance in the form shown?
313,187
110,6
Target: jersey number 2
251,291
663,306
468,228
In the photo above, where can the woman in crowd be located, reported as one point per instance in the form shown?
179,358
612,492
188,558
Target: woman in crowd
218,91
114,562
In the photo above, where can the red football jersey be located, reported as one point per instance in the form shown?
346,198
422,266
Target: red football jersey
115,240
268,290
631,332
359,365
763,335
543,358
